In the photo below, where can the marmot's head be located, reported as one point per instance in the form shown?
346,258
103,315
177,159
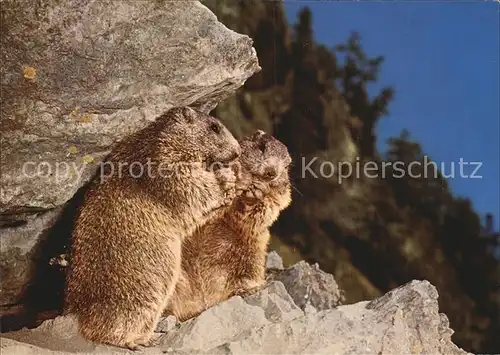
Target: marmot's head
265,158
200,136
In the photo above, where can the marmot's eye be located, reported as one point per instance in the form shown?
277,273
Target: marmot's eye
262,147
215,127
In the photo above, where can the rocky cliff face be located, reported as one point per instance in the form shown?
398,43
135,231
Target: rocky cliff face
298,311
77,76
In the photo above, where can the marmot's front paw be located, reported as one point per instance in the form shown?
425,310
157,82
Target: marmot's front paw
257,191
227,181
241,292
243,178
253,193
247,289
243,183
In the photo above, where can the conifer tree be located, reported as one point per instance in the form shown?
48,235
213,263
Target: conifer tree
354,75
302,128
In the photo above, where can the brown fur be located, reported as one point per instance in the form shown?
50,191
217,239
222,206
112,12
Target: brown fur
227,256
128,235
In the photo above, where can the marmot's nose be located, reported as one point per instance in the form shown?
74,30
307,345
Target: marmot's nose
270,173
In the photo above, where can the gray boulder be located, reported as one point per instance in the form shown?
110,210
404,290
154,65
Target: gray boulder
308,285
277,304
274,261
79,75
403,321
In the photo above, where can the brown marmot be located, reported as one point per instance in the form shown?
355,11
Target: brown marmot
226,257
126,244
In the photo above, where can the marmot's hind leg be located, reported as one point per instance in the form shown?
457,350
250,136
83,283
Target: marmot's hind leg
145,338
125,330
151,320
113,331
148,330
138,325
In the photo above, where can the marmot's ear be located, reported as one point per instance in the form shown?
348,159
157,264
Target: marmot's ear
181,114
189,114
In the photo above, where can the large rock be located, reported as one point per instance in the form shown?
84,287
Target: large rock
274,261
79,75
308,285
404,321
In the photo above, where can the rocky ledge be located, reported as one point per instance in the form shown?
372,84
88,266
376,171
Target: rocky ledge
298,311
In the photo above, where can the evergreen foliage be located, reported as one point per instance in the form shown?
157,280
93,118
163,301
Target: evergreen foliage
373,234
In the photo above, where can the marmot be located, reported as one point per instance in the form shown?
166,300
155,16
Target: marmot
126,243
227,256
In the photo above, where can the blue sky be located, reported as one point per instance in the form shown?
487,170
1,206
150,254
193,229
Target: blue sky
443,61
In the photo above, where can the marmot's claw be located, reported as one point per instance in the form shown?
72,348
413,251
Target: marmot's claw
254,193
132,346
148,343
241,292
244,292
228,199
